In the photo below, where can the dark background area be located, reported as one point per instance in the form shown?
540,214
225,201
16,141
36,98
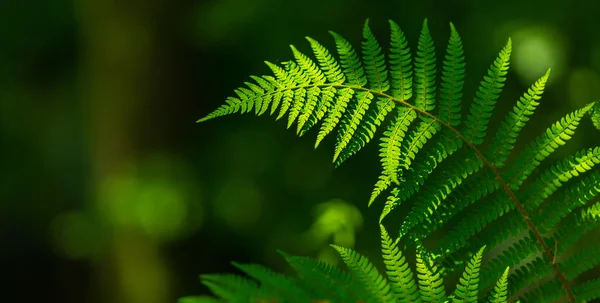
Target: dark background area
110,192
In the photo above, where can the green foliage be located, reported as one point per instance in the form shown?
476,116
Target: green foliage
470,194
318,282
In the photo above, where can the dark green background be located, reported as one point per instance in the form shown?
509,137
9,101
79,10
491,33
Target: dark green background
110,192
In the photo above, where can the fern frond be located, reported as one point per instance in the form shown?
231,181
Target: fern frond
355,74
424,86
500,292
230,287
540,189
450,94
424,75
506,136
588,290
327,282
351,65
351,121
453,75
426,204
581,261
333,117
374,61
328,64
367,273
287,94
390,204
511,256
543,146
401,85
468,286
550,214
398,271
277,284
486,96
549,291
400,64
310,68
525,163
529,274
577,225
302,79
436,165
390,148
376,72
595,114
322,106
431,285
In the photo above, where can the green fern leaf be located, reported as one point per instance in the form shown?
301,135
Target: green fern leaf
376,72
540,189
299,100
277,284
450,94
523,165
550,291
485,99
400,64
230,287
327,282
512,256
574,227
311,69
588,290
500,292
390,147
453,75
431,284
436,166
581,261
557,209
323,105
399,273
351,65
333,117
595,114
401,84
328,64
367,273
467,288
374,61
390,204
514,122
349,125
425,71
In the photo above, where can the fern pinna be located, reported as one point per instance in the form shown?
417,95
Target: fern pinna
435,159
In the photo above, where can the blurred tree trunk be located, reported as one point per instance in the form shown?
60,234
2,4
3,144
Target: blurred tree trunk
121,43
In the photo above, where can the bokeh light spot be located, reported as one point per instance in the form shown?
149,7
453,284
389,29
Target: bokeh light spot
160,210
336,220
535,49
155,195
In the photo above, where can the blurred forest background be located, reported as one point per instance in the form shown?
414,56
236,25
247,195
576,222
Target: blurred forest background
110,192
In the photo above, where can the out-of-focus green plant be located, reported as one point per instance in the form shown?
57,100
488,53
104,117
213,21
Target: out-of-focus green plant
475,195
